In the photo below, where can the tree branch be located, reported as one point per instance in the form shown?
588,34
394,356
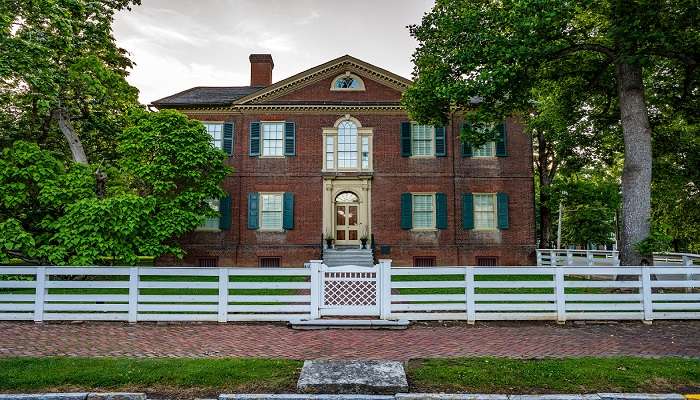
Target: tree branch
599,48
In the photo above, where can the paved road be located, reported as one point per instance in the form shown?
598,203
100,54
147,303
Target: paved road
269,340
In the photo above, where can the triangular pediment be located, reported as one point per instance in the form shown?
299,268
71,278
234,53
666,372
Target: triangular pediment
325,71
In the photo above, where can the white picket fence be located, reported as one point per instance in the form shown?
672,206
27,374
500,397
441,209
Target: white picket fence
284,294
598,258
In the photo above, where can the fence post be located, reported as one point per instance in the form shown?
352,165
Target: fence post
469,294
552,258
40,294
539,257
133,293
569,258
385,288
315,291
616,259
223,294
560,295
589,258
646,295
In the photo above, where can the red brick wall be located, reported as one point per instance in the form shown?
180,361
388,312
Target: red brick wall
393,175
320,91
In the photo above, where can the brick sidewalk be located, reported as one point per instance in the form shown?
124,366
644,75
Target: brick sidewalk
276,341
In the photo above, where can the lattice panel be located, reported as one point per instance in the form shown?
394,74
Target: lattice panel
350,289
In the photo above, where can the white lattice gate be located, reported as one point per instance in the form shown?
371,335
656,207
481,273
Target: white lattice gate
349,290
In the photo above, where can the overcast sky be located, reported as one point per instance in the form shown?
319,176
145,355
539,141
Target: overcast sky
180,44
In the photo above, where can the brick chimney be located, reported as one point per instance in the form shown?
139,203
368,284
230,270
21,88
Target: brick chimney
261,69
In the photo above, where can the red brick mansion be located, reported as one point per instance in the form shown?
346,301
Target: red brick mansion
331,153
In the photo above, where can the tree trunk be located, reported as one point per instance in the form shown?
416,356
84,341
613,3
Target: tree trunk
76,147
545,211
636,174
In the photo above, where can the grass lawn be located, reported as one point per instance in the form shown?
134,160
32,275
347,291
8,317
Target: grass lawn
572,375
165,377
192,378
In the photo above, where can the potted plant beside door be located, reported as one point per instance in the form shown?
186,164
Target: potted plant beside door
329,240
364,237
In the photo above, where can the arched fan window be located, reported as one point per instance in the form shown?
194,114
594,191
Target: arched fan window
348,81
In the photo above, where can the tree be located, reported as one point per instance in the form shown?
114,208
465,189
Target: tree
497,51
158,191
62,76
564,142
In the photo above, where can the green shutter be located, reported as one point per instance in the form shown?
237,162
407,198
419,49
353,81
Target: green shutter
405,139
468,211
290,142
253,215
225,213
228,138
502,204
440,142
288,211
466,146
501,148
254,139
406,211
441,210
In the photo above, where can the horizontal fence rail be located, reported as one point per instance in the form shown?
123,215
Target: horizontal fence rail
601,258
284,294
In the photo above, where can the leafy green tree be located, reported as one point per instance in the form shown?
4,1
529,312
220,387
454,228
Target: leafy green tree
166,172
496,52
62,76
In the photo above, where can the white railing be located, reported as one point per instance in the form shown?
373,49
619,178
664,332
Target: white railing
283,294
546,293
599,258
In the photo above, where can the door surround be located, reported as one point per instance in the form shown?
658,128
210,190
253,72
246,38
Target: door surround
361,187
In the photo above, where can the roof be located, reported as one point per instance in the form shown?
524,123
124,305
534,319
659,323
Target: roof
239,95
207,96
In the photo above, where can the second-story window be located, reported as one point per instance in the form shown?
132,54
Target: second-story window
347,145
216,131
273,139
422,137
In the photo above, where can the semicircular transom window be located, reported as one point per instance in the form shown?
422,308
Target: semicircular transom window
346,197
348,81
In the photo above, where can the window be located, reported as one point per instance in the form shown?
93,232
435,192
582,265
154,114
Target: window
273,139
216,131
330,152
486,261
423,211
423,261
484,211
347,145
211,223
487,150
348,81
422,137
271,211
208,262
269,262
365,152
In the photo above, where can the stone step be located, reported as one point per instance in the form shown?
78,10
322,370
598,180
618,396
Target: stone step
352,377
315,324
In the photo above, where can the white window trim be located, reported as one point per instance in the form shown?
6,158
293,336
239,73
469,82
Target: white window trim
432,143
262,138
360,88
260,212
361,132
492,145
202,228
222,131
413,209
495,212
